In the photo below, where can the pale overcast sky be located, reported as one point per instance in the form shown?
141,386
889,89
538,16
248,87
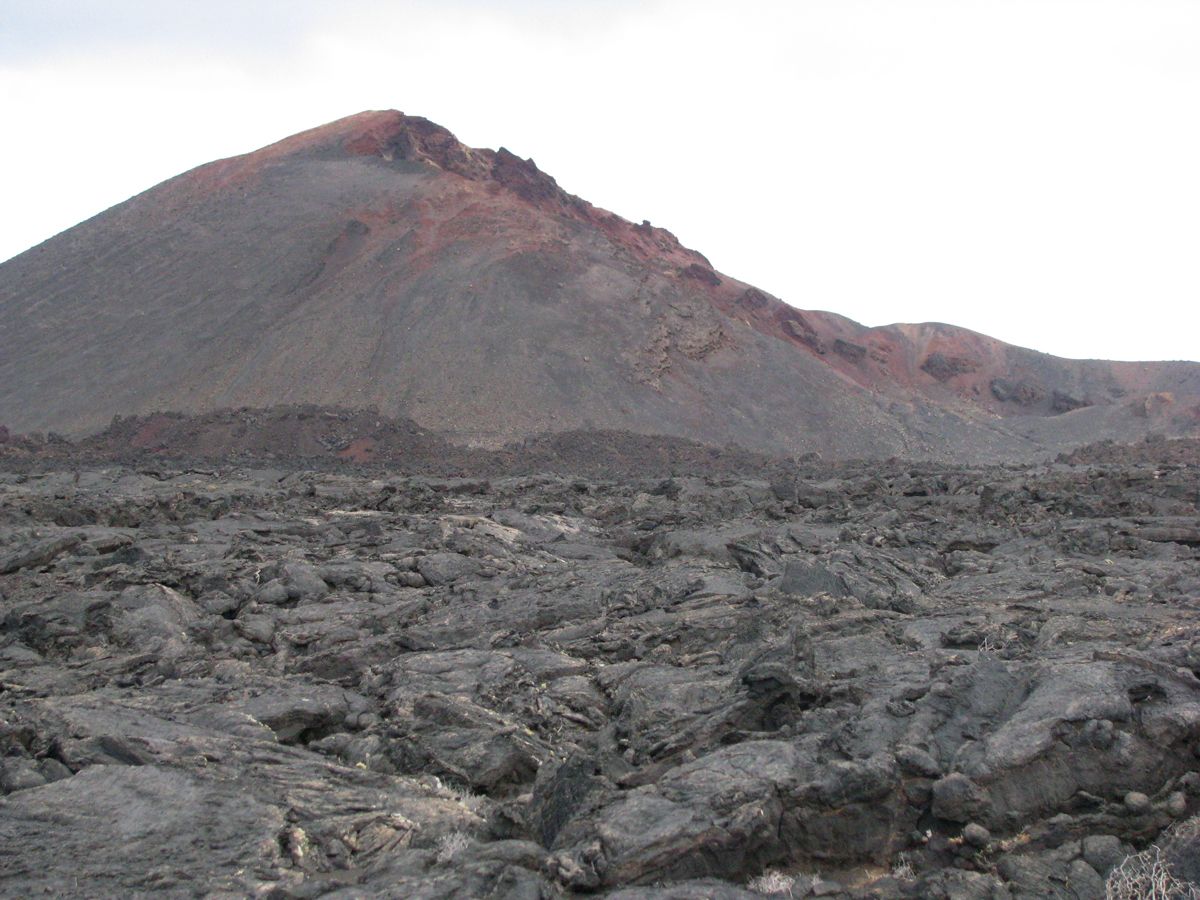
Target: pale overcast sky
1026,168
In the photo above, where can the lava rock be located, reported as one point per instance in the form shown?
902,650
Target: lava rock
446,568
956,798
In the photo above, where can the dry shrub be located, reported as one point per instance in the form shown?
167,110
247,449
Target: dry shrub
1163,871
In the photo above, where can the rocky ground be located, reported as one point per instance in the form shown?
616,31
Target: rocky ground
885,680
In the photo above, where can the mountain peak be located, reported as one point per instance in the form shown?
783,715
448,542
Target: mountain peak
393,136
388,134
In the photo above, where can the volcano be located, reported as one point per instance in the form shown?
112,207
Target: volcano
378,263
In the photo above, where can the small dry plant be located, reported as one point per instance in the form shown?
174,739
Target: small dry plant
902,867
1148,875
993,641
773,884
451,845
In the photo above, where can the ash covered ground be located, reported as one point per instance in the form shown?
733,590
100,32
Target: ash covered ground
854,680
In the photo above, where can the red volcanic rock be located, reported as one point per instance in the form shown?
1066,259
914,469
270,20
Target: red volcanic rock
856,353
943,367
1155,406
1008,391
151,433
753,298
1061,402
703,274
359,450
526,180
797,326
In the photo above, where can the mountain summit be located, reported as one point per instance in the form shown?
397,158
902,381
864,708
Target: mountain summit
377,262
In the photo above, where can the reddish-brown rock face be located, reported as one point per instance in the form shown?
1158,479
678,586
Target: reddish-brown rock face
377,261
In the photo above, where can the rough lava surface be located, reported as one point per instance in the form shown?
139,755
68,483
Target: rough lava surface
847,680
376,262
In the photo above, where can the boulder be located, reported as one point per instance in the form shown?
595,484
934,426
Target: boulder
446,568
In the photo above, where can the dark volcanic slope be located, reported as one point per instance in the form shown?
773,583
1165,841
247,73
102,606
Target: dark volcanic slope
377,261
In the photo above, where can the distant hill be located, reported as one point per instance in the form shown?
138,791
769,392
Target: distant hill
376,262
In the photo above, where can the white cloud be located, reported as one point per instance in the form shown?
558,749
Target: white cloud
1025,169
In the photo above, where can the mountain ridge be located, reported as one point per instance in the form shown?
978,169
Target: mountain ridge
377,261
